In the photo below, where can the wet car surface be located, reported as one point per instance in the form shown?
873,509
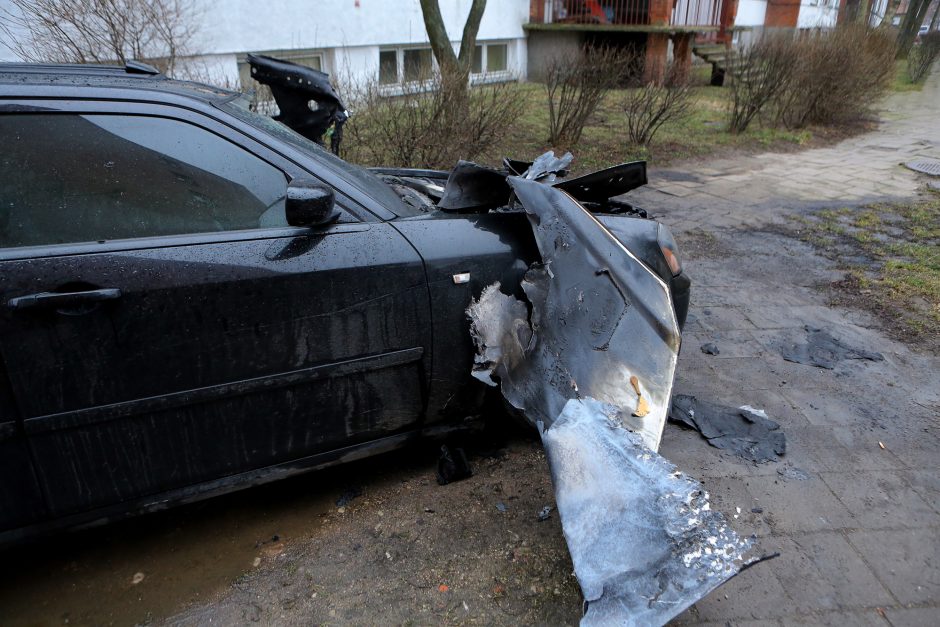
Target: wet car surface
181,318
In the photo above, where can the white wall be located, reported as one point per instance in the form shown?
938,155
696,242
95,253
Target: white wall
818,15
243,25
813,13
750,13
349,32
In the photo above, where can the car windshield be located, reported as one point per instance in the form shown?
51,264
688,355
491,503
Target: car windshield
370,184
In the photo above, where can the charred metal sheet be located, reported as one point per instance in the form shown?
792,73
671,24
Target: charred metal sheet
745,431
824,351
293,87
599,317
603,184
643,539
590,361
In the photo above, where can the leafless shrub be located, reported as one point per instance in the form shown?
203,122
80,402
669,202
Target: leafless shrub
649,106
837,75
100,31
575,86
426,124
922,56
759,74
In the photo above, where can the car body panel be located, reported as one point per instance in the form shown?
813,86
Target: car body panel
232,358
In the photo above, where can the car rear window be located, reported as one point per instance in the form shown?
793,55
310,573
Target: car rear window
68,178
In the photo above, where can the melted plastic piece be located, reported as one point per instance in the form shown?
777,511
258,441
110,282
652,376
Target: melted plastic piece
293,87
603,184
473,186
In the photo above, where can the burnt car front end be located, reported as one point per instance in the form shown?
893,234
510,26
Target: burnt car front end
570,301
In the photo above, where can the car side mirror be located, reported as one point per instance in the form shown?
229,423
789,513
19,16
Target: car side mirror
310,203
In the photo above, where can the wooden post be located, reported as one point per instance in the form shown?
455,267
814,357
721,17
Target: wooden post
657,48
682,54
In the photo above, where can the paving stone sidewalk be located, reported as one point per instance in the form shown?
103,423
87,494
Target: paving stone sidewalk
754,190
859,537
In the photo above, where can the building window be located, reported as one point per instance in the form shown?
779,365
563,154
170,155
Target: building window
496,58
388,67
405,65
490,58
417,64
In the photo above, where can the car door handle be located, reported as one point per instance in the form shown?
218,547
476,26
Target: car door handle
49,300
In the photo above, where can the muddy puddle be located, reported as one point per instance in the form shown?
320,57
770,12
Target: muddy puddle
152,567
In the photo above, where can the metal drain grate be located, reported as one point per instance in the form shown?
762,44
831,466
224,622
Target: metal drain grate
925,166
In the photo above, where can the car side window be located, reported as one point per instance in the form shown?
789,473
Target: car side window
68,178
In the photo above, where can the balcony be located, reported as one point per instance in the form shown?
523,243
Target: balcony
626,15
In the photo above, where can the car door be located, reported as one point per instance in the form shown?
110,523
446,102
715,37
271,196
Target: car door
161,325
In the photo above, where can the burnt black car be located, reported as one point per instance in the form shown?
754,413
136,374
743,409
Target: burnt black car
195,299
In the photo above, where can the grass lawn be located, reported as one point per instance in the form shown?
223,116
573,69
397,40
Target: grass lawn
891,254
605,142
902,79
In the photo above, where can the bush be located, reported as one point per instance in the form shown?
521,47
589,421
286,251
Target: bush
648,107
837,75
575,86
759,74
922,56
427,124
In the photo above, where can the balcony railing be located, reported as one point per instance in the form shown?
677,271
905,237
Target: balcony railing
626,12
696,13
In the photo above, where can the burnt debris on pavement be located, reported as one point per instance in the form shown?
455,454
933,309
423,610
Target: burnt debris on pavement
825,351
744,431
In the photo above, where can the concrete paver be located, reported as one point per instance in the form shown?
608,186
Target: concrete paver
859,537
861,169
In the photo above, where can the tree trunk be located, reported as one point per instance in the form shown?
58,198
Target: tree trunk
864,12
935,22
440,40
890,11
470,29
916,12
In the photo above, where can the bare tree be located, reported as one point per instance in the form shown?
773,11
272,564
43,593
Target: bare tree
575,86
890,11
922,56
916,12
649,106
760,73
100,31
452,64
427,128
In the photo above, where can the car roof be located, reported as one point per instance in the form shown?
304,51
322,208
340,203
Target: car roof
133,76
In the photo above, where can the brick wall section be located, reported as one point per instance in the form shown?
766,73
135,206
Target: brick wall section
782,13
